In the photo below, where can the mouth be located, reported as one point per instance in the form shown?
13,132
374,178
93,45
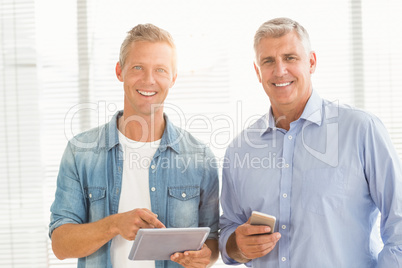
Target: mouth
282,84
147,93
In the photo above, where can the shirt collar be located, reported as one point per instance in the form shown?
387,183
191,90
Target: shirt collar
170,138
112,132
312,112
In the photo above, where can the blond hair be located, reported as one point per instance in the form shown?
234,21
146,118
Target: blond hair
146,32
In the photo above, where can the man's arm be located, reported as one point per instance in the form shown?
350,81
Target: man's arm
213,246
383,171
239,241
233,250
80,240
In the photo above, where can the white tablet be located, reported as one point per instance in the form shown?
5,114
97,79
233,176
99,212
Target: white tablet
161,243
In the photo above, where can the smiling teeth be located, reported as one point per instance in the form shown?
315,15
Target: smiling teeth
283,84
146,93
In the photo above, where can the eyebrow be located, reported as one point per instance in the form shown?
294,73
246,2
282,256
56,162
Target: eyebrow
140,63
290,54
283,55
162,66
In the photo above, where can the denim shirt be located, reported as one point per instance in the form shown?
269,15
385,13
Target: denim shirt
183,184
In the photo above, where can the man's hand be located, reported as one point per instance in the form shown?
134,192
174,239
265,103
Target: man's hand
128,223
81,240
193,259
251,241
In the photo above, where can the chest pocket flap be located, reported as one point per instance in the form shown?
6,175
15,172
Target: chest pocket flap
184,193
95,193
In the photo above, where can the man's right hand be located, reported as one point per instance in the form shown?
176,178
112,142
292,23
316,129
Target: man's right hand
251,241
128,223
80,240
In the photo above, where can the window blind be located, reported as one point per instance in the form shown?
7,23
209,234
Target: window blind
383,65
22,240
63,64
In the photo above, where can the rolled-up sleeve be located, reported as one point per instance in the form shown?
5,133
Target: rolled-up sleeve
69,204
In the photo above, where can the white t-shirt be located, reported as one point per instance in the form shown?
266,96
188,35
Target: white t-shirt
134,194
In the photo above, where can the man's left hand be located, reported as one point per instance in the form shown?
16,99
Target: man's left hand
193,259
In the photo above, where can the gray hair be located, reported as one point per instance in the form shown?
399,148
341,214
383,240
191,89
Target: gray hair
279,27
149,33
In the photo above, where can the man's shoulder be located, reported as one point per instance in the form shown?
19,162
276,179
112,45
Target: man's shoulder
92,132
255,129
249,135
95,138
187,140
348,113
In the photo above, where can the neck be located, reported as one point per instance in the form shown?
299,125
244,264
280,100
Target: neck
283,119
142,128
285,114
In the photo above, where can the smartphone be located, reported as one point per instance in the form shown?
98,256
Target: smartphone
259,218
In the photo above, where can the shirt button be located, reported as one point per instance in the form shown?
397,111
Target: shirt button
283,227
153,189
183,195
153,166
287,165
90,195
285,195
290,137
283,259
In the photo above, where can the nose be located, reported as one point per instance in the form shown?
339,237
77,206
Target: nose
280,69
149,77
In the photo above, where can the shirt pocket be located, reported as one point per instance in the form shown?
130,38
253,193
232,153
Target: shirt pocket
323,190
183,203
96,200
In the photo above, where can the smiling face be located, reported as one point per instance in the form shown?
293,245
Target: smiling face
284,69
147,75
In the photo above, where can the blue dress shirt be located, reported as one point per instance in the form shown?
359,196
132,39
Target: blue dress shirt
183,182
325,180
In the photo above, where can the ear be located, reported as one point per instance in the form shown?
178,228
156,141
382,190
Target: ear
313,62
173,80
118,72
257,71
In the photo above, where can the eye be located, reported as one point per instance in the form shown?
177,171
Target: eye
268,61
160,70
291,58
137,68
